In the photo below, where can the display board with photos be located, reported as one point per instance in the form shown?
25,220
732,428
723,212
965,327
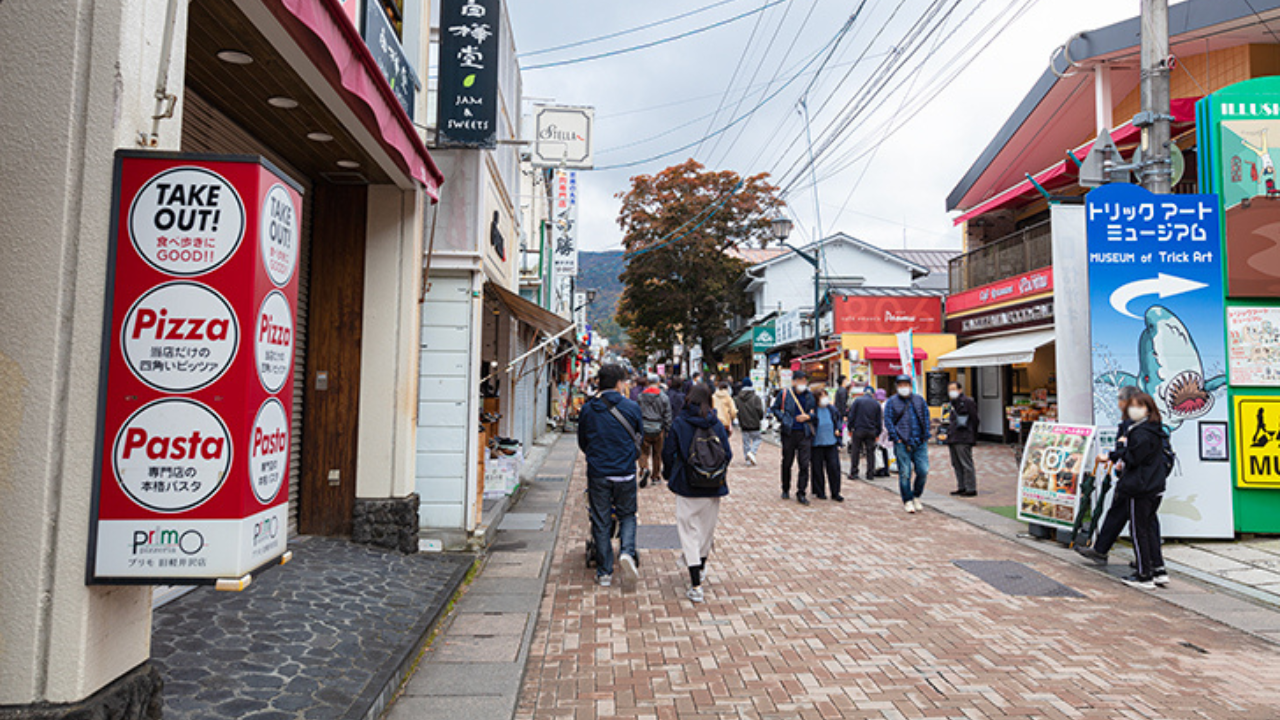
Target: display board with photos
1053,465
1253,350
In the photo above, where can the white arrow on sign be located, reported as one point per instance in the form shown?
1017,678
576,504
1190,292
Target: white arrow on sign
1164,285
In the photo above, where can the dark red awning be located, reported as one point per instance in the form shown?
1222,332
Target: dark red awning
322,29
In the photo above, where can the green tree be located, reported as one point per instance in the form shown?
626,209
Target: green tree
680,284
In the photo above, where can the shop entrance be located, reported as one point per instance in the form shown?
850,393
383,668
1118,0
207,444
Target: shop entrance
332,391
990,393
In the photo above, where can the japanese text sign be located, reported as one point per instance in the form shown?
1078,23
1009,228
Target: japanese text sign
467,101
1257,433
564,216
1156,323
191,483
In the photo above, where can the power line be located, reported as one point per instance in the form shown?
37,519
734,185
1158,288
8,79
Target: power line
655,43
734,78
628,31
708,212
737,120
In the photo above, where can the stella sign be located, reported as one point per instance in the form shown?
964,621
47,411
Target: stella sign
191,482
562,137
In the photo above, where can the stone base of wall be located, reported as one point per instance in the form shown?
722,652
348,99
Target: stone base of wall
386,523
134,696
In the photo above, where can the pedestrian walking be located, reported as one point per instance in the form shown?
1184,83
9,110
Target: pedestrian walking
826,448
866,423
906,419
676,393
1144,458
696,459
750,419
655,409
794,409
884,446
962,435
843,391
726,409
610,430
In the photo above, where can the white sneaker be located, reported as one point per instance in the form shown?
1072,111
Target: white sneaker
629,570
1161,579
604,580
910,506
751,459
695,594
919,505
706,574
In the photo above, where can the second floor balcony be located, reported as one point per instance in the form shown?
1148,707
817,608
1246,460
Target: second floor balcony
1030,248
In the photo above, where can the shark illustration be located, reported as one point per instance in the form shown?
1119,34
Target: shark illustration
1170,370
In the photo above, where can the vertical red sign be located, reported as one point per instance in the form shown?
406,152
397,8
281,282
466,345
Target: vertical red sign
191,483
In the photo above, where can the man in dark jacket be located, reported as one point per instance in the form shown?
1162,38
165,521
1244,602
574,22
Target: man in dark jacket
794,409
675,393
655,407
610,428
906,420
962,435
750,417
842,397
865,420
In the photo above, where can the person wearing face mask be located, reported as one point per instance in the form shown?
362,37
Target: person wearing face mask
826,447
962,434
1142,447
906,419
794,408
866,423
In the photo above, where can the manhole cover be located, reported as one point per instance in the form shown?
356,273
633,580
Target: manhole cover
657,537
1012,578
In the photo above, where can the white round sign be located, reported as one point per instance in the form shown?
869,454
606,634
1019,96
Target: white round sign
273,343
278,234
180,337
186,221
268,451
172,455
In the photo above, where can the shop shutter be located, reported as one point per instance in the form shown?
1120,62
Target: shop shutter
205,129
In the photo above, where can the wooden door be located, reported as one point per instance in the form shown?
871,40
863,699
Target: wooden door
332,393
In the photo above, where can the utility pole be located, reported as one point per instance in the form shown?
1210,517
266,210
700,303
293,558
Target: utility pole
1157,170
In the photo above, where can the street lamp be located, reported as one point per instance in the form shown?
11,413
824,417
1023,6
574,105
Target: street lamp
781,226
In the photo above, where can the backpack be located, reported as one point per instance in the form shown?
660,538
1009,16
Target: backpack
707,463
1168,456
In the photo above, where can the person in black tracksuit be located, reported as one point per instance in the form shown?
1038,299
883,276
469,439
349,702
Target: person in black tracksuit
1140,455
865,420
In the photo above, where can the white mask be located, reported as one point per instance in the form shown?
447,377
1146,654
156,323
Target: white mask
1137,413
905,391
824,402
801,387
953,394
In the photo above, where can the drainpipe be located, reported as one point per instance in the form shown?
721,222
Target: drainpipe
165,101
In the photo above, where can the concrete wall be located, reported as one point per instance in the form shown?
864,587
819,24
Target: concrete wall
78,82
389,346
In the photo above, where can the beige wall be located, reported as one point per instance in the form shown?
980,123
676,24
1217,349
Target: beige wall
78,82
389,344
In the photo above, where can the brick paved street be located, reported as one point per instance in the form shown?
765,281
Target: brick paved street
857,611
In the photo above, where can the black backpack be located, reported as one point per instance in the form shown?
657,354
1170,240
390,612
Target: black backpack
1168,456
707,462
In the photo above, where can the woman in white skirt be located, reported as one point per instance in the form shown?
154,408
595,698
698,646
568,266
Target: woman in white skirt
698,491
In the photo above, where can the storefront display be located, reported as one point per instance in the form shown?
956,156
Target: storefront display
1053,465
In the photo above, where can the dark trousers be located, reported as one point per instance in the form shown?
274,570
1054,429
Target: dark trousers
612,501
1139,511
826,461
796,446
863,444
962,463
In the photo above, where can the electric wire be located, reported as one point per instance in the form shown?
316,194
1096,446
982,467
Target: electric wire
628,31
742,57
653,43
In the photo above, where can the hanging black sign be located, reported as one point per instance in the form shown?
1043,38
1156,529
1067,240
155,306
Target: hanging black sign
467,102
936,388
385,47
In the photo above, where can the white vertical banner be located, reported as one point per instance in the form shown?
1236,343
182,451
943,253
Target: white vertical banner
564,251
580,310
907,354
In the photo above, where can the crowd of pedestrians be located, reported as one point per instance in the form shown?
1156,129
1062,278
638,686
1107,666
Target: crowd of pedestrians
647,430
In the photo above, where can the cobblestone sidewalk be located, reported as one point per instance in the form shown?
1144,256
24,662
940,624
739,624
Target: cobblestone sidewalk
858,611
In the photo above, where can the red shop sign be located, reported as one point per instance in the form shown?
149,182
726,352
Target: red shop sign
1019,286
879,314
191,479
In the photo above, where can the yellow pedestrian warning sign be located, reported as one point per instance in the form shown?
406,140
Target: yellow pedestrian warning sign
1257,441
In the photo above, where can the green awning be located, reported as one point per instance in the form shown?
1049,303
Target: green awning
741,340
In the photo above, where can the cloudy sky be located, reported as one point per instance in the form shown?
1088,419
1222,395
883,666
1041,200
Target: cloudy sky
905,100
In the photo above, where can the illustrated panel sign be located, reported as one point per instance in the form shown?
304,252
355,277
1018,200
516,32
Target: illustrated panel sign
1156,322
1253,346
562,137
863,314
1020,286
1053,463
1257,448
763,337
1248,125
467,101
191,482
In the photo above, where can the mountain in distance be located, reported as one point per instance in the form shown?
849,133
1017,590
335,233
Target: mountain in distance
600,271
